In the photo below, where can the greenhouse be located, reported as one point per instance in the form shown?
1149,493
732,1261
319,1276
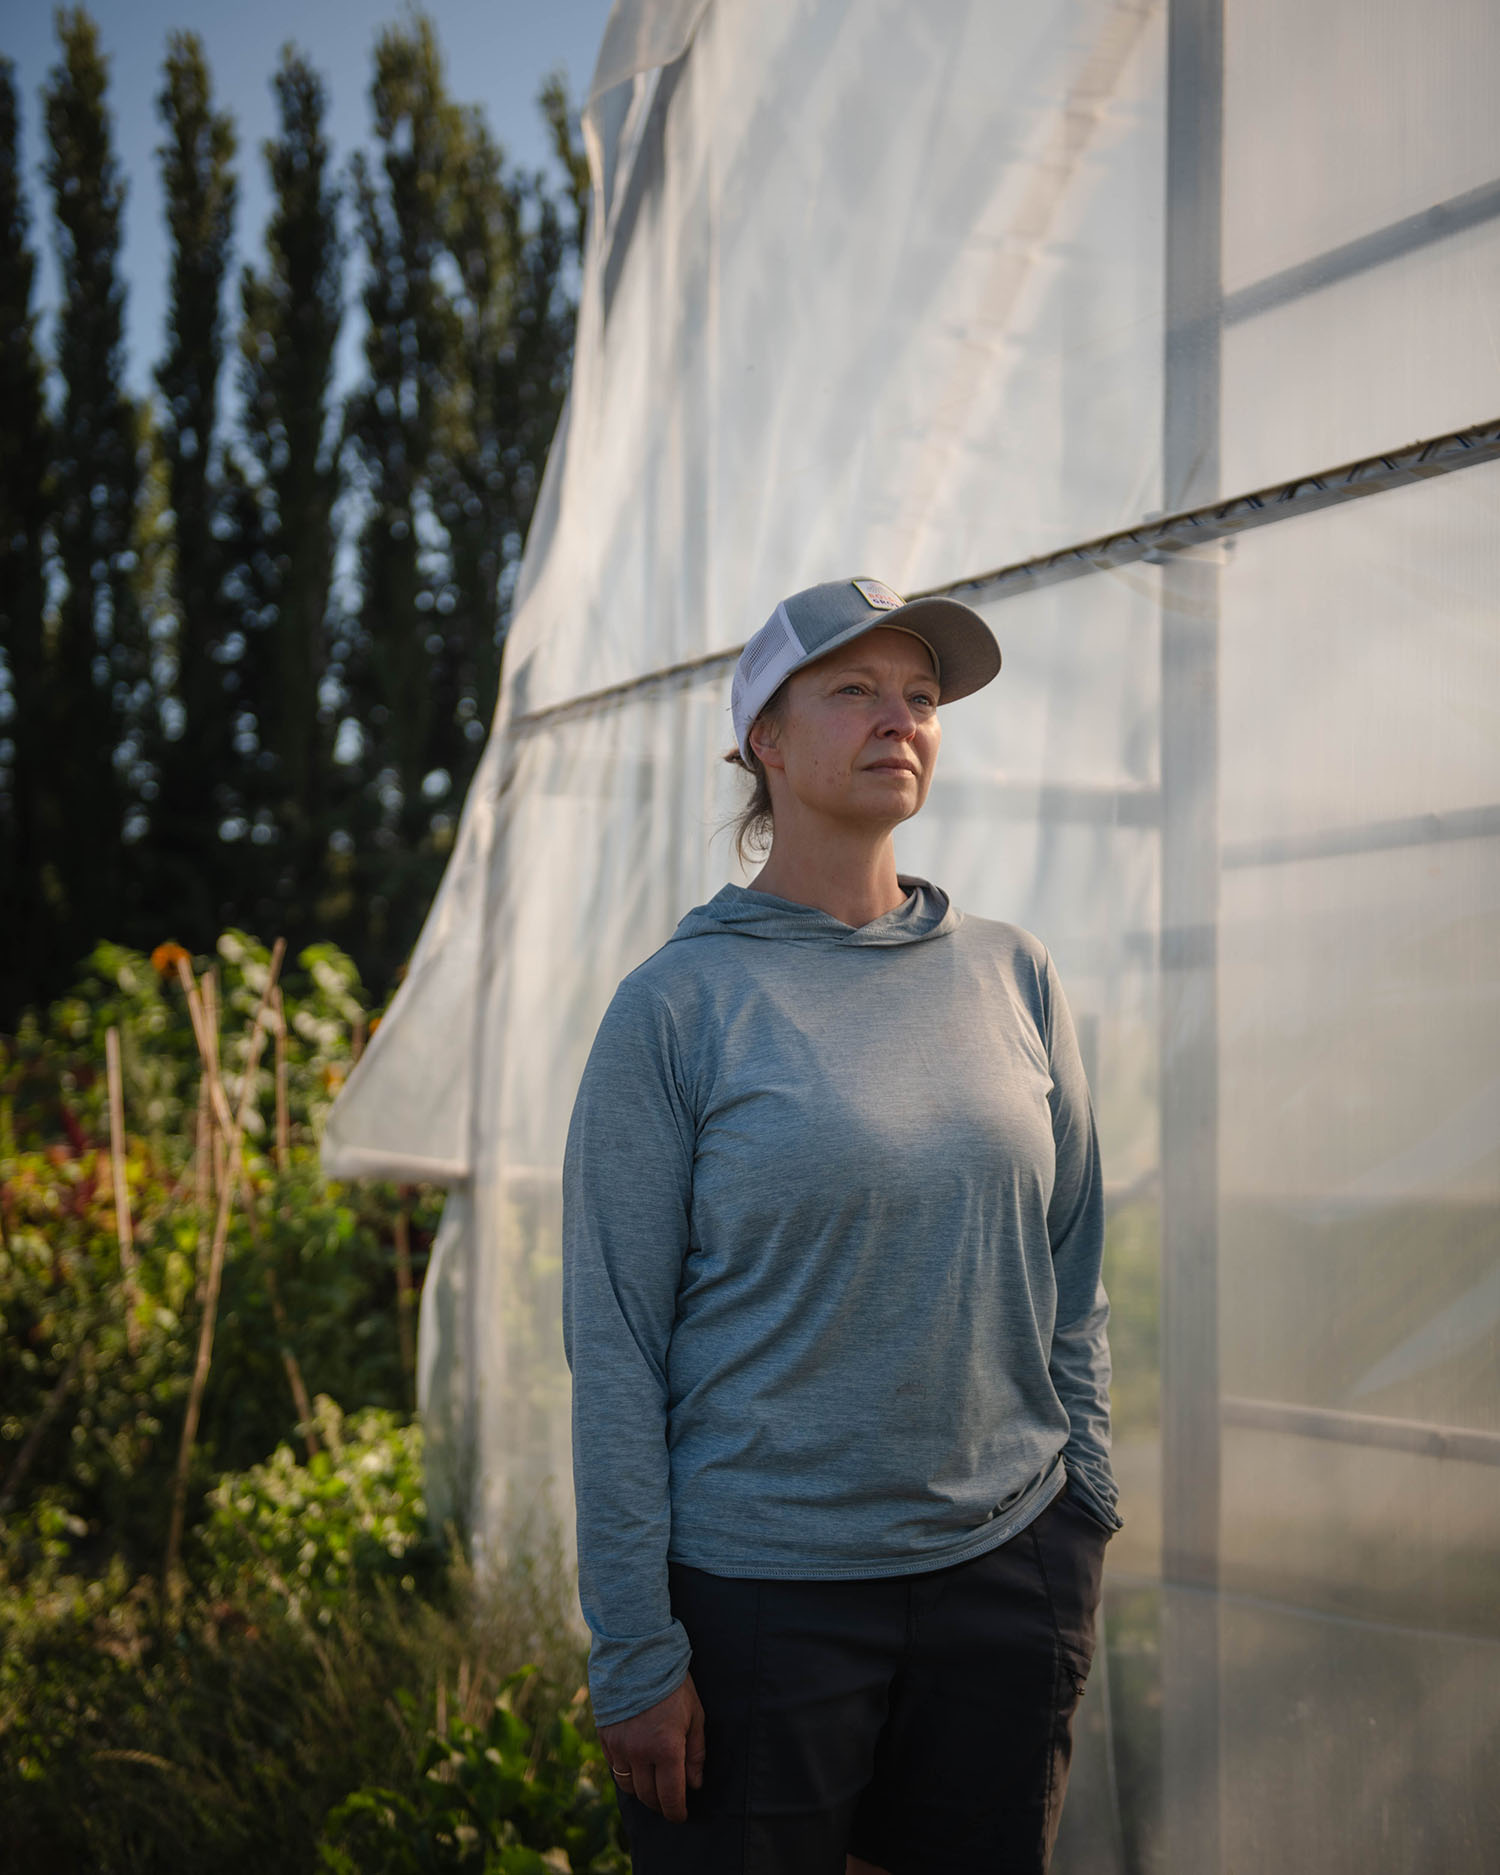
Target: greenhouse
1166,335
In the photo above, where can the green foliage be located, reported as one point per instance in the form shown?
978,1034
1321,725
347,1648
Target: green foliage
225,1737
27,819
325,1638
509,1797
310,1533
208,729
283,476
103,1419
567,147
97,677
188,865
467,349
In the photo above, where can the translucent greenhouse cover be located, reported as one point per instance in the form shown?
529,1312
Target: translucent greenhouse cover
1169,335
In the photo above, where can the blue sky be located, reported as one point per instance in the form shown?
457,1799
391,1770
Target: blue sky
498,53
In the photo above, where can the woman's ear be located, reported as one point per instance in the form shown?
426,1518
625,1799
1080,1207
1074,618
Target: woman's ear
763,743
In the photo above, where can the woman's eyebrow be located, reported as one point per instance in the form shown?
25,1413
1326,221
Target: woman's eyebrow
870,670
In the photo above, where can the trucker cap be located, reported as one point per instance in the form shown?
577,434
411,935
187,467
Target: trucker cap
823,617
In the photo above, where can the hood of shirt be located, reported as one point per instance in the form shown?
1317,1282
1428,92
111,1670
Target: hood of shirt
740,911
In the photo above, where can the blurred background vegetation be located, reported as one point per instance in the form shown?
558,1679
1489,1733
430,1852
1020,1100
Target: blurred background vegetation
314,1679
250,630
250,637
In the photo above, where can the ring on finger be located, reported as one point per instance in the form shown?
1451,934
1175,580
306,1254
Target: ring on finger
621,1776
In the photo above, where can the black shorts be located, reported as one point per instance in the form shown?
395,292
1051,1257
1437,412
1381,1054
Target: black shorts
922,1722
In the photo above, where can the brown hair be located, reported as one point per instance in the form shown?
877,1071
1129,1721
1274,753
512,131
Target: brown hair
752,827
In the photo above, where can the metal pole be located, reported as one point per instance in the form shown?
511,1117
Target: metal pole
1189,952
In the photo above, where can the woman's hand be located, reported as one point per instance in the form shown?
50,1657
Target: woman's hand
658,1754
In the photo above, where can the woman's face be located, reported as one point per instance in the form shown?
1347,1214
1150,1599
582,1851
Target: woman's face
858,733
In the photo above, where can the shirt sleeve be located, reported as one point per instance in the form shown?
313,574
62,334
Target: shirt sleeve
627,1196
1079,1362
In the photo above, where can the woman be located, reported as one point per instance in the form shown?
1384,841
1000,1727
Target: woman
832,1232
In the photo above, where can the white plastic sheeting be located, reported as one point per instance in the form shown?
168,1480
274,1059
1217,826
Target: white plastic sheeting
919,290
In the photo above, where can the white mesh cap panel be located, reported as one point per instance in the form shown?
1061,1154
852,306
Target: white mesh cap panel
765,662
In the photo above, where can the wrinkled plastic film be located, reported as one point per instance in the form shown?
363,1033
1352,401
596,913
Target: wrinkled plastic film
1248,797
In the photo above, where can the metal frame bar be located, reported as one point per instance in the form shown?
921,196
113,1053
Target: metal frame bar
1154,542
1391,1435
1373,836
1189,989
1393,242
1157,540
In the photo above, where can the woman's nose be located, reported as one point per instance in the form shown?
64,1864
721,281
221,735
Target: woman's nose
896,718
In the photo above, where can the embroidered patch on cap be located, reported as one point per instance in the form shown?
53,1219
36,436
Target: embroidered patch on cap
877,595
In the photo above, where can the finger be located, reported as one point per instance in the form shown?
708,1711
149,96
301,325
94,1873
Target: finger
672,1789
696,1747
644,1783
671,1785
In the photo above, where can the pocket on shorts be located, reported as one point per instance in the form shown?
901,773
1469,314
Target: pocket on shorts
1070,1543
1071,1500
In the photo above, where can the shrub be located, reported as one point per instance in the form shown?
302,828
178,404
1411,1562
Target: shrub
513,1796
89,1425
324,1644
310,1533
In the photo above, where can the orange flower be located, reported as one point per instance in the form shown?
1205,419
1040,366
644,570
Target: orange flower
374,1024
164,959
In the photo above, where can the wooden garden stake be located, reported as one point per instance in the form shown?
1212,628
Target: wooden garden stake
214,1100
206,1037
283,1118
257,1036
203,1176
122,1188
213,1112
210,990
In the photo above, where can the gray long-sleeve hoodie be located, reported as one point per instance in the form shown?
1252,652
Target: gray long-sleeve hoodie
832,1224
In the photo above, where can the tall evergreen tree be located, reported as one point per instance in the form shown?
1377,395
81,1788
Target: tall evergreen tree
467,349
515,325
30,820
287,486
400,662
102,666
474,467
572,159
188,870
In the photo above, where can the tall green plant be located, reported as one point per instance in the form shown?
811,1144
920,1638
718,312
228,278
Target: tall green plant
199,726
100,668
512,1795
31,823
197,757
469,333
88,1426
402,657
286,485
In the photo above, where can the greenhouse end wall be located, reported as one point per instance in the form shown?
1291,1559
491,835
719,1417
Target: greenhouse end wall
1166,335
